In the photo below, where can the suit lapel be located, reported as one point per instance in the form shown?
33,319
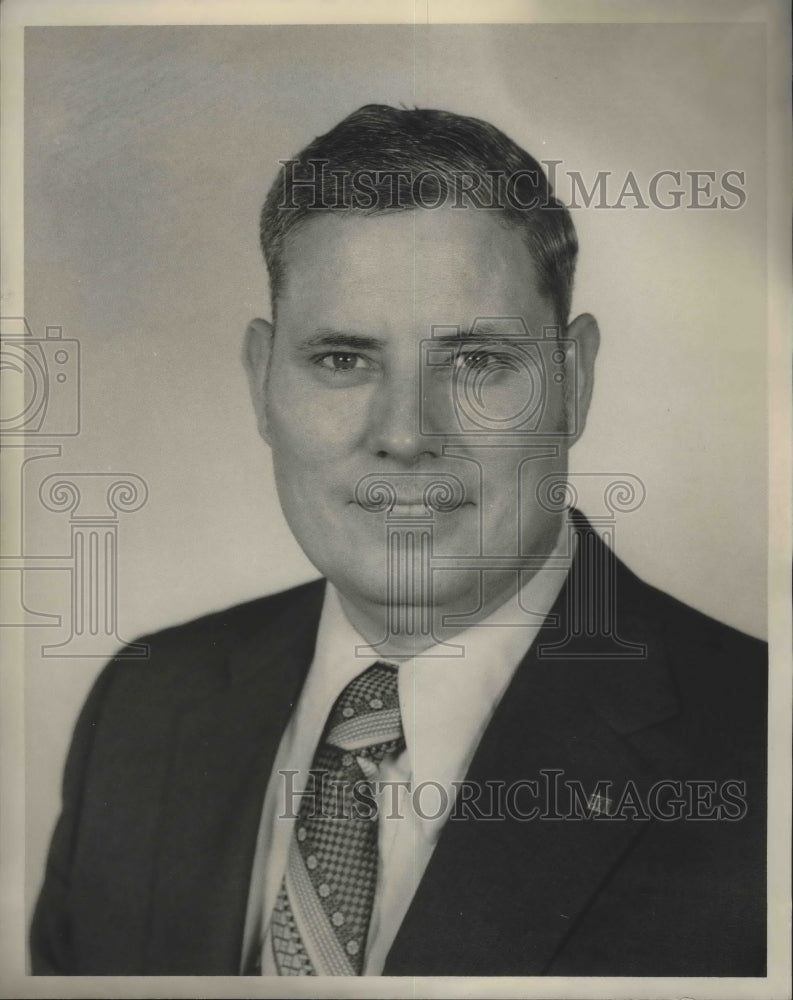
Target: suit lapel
226,735
501,897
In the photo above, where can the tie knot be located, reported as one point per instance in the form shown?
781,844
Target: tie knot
365,720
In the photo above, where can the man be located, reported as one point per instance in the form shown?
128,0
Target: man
515,757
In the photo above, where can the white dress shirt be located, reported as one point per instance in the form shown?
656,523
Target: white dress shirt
446,703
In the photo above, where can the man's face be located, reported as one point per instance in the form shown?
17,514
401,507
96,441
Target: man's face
344,391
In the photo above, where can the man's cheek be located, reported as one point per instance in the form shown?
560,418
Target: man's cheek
310,461
314,420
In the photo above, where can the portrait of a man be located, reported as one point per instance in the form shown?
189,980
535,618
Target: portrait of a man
480,744
394,536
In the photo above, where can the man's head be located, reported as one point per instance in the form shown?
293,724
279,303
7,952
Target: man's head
410,344
384,159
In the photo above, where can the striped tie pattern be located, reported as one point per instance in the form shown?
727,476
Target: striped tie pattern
322,913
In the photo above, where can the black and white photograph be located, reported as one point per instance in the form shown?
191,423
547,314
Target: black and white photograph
396,438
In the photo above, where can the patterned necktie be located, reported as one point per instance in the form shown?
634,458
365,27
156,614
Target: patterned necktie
321,917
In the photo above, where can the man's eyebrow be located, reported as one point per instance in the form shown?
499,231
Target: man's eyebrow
478,331
325,337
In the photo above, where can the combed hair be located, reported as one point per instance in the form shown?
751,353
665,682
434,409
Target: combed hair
420,154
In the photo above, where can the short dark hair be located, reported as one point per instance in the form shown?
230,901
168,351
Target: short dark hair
382,159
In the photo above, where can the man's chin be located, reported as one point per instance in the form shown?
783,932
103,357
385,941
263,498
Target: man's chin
414,593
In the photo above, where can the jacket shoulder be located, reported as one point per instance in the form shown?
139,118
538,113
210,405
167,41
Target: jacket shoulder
240,621
719,673
684,624
184,653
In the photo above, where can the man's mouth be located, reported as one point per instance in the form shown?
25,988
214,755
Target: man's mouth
410,501
411,505
413,493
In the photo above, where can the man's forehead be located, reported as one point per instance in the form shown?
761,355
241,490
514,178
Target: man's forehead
444,234
428,261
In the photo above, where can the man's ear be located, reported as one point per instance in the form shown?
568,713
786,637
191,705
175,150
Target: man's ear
584,331
256,350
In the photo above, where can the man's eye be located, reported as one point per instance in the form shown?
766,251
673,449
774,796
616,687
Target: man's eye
474,360
481,360
342,361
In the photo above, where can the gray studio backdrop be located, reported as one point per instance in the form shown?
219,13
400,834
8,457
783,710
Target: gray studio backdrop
148,153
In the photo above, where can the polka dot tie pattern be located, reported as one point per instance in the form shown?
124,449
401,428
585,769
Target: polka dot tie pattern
321,917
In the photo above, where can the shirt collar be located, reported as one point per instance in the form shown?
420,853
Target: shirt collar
446,700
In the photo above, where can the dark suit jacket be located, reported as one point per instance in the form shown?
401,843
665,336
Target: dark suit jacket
149,868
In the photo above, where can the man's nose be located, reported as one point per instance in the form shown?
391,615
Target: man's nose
397,423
